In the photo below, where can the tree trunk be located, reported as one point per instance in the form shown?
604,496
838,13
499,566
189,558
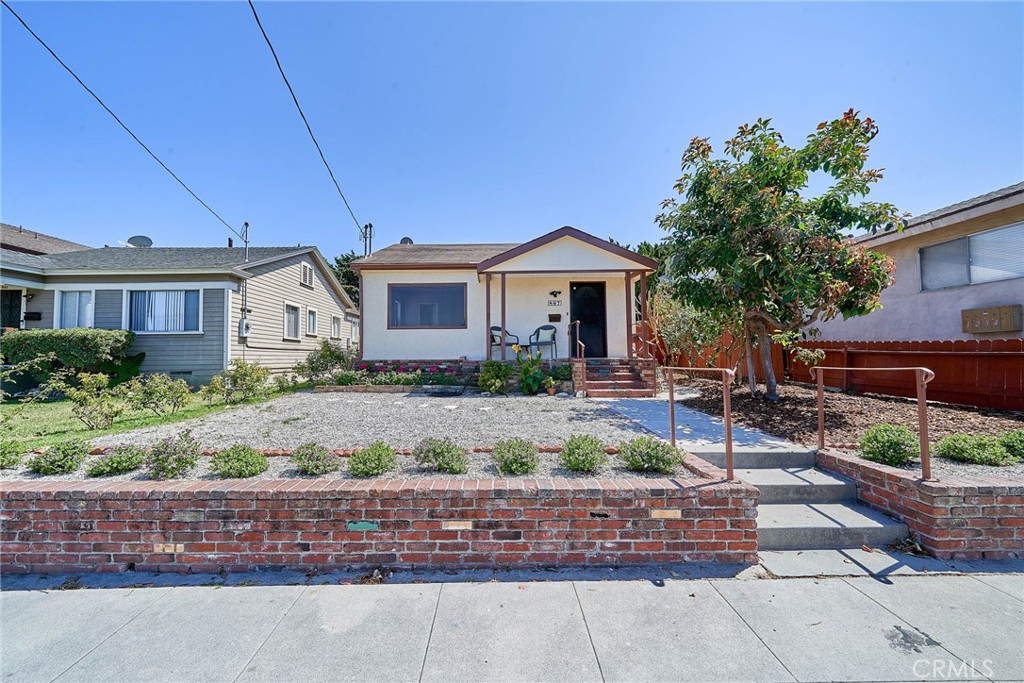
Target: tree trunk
748,340
765,342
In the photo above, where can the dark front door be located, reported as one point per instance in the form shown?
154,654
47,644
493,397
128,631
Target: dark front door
10,308
587,304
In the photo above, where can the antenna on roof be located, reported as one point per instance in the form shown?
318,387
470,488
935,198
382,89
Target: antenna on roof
366,235
140,241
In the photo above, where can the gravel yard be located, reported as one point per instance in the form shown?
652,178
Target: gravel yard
400,420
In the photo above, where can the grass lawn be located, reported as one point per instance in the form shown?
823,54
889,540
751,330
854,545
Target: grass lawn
47,422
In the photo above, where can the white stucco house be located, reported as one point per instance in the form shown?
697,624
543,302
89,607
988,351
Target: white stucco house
471,301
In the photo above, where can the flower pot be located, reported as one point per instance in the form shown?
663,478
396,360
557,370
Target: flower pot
551,391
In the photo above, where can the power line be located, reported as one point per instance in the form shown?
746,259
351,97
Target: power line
119,121
309,129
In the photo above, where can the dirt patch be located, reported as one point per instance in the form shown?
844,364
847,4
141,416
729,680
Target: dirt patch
795,415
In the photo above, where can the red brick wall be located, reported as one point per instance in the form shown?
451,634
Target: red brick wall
956,517
63,527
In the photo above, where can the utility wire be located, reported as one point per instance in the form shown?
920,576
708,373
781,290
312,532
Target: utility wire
119,121
309,129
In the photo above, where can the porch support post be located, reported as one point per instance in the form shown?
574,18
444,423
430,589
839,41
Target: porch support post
487,326
629,313
644,331
503,332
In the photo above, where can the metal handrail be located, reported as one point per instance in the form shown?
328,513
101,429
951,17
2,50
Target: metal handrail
581,351
727,378
922,376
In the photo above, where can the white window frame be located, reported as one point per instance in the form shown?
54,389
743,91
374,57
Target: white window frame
126,303
284,321
336,320
316,321
306,268
58,304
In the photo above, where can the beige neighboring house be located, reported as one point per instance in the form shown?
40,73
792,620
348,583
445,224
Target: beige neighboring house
193,309
959,275
462,301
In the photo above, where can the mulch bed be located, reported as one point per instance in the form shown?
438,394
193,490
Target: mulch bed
795,415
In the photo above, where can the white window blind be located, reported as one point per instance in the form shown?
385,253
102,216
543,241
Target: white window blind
944,265
75,309
166,310
983,257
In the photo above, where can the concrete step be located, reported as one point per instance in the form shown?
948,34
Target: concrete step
619,393
799,485
824,525
752,457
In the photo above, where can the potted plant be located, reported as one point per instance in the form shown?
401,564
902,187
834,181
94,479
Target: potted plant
549,384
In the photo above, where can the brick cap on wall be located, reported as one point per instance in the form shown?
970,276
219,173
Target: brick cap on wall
943,484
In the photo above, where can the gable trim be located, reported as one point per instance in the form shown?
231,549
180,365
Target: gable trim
568,231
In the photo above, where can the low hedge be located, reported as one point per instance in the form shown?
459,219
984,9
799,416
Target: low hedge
79,348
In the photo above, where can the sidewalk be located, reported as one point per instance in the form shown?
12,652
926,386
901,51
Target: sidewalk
949,627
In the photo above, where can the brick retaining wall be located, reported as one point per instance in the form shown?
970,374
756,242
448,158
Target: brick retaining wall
955,517
209,526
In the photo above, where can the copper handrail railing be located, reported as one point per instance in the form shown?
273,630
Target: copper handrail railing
581,356
727,378
922,376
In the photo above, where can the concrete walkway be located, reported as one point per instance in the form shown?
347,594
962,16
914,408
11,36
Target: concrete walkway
966,627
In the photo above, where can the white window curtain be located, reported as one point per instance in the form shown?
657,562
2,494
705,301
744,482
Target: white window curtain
291,322
336,327
75,309
174,310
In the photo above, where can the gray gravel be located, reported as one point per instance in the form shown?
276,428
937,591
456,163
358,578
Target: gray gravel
942,467
341,420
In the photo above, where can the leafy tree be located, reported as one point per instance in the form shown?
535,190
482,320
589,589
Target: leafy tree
746,241
349,279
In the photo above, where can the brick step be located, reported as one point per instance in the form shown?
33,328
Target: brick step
619,393
602,384
613,375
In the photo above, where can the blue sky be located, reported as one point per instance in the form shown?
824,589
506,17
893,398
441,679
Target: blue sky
477,122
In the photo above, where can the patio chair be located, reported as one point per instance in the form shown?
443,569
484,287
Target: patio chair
510,339
545,335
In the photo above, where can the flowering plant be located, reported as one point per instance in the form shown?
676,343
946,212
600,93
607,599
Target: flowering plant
531,375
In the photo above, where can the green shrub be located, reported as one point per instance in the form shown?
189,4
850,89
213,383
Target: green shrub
174,456
157,392
515,456
61,458
310,458
531,372
326,360
97,404
583,453
238,462
123,369
373,461
11,453
347,378
78,348
241,382
889,444
118,460
648,454
980,449
563,373
1013,442
443,455
494,376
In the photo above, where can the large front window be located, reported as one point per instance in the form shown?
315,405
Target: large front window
436,306
164,310
76,309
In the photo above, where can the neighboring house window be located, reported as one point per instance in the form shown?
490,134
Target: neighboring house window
335,327
76,309
437,306
291,321
354,327
164,310
982,257
307,275
311,321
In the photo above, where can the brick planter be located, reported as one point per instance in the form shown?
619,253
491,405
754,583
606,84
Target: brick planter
956,517
209,526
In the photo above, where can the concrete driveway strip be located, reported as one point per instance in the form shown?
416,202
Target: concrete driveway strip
828,630
679,631
1011,584
194,634
510,632
350,633
974,621
43,633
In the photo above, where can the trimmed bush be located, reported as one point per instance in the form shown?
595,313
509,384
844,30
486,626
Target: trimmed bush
583,453
157,392
97,405
241,382
373,461
238,462
326,360
11,453
1013,442
889,444
979,449
61,458
648,454
118,460
494,376
515,456
443,455
311,458
174,456
78,348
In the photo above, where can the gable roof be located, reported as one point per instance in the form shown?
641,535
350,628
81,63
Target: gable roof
17,238
399,256
568,231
